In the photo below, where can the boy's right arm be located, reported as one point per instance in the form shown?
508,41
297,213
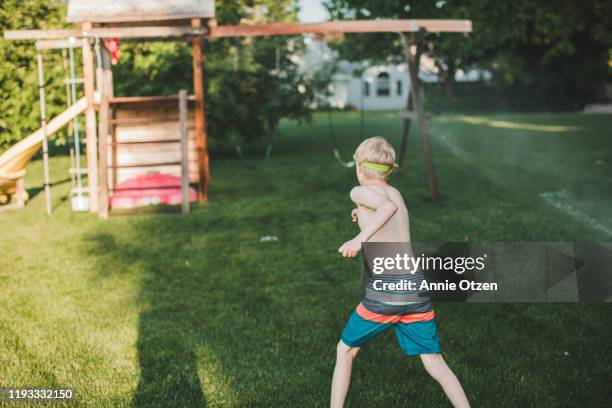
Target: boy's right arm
383,208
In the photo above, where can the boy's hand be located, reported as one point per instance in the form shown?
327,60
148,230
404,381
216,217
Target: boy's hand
355,214
350,248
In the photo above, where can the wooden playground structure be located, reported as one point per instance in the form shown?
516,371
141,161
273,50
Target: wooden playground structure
127,137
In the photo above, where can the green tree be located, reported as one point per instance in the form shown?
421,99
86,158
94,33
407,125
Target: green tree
251,84
19,109
543,54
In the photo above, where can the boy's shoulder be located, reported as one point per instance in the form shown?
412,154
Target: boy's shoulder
373,189
388,191
363,191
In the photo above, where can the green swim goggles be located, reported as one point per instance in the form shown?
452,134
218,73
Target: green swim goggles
381,168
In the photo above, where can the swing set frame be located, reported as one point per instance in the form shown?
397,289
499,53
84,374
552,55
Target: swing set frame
195,30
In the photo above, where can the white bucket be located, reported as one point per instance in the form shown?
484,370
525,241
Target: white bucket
80,203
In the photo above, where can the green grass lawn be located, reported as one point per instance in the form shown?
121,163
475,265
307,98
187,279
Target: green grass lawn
170,310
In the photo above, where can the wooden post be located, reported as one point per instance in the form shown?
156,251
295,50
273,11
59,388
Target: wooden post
113,151
43,124
200,113
405,132
409,110
103,129
20,191
108,83
418,107
90,123
183,117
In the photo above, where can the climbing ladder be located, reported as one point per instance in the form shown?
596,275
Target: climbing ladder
79,201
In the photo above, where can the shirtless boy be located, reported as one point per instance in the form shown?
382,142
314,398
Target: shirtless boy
382,217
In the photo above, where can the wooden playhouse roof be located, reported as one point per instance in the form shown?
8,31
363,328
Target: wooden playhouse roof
118,11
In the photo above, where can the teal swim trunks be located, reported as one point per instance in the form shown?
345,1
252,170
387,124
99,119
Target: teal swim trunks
416,332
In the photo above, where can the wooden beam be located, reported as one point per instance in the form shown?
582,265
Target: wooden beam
245,30
59,44
143,121
105,32
144,165
146,99
113,159
111,129
183,115
332,27
20,191
43,125
200,114
105,89
90,124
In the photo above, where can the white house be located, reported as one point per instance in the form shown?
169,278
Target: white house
370,87
379,87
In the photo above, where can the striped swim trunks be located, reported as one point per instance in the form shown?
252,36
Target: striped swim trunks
415,332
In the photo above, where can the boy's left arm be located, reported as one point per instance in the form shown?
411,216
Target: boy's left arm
383,211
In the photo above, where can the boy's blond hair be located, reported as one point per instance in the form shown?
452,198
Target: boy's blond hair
378,151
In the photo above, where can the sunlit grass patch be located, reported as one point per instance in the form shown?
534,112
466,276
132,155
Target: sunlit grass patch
198,310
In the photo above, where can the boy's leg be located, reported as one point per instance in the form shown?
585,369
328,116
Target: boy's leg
342,373
357,332
439,370
421,338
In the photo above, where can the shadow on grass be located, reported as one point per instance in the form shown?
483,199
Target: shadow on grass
168,367
168,372
221,314
34,191
226,320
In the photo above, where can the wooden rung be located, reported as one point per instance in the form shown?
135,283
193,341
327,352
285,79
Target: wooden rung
141,121
56,44
143,165
74,81
77,171
145,99
145,142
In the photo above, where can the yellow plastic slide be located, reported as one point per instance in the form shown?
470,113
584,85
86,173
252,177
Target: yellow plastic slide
15,159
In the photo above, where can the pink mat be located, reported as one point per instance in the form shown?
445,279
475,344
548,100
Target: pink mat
149,189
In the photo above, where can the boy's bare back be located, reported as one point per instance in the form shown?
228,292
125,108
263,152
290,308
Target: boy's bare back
397,229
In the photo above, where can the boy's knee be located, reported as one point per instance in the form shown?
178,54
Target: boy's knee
432,362
342,350
430,359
